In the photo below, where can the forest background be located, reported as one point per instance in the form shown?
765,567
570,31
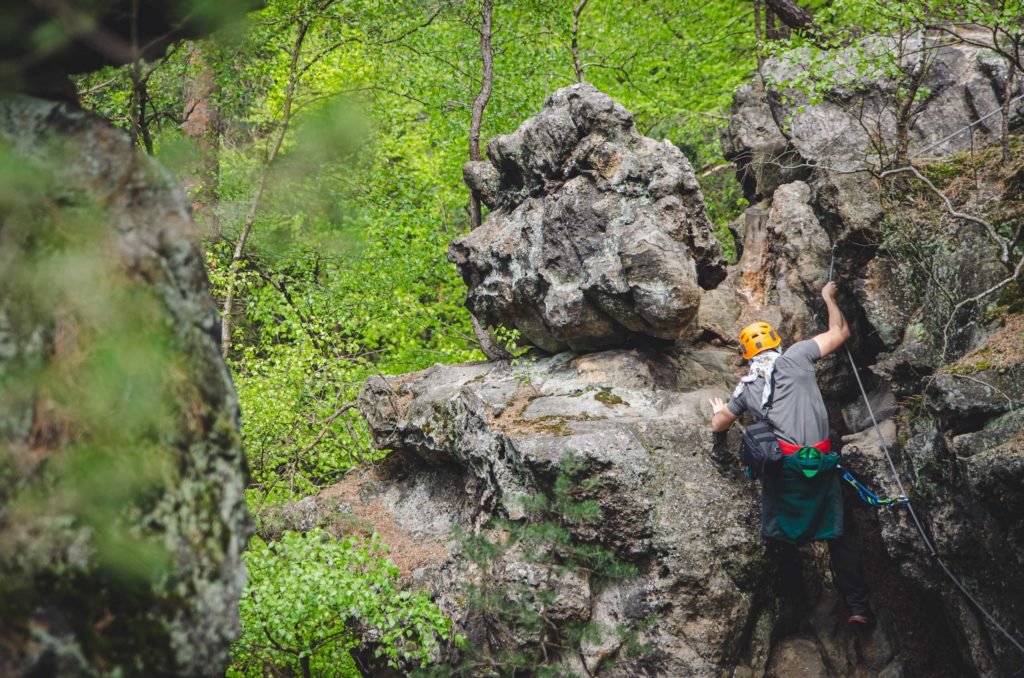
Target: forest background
322,143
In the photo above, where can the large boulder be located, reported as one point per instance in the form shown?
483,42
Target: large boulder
481,436
122,477
471,441
595,232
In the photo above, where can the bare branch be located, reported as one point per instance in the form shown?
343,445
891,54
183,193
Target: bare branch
326,427
978,297
995,237
250,217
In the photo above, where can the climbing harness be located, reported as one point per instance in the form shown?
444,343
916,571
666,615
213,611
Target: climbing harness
932,551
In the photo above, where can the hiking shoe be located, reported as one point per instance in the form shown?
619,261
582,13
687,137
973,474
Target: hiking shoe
858,619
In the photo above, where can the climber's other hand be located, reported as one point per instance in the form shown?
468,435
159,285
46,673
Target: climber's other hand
716,405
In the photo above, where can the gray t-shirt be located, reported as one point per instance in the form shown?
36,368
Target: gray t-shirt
797,411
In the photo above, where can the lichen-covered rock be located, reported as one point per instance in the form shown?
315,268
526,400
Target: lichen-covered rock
122,513
764,157
962,466
666,504
964,82
672,501
496,432
800,260
595,231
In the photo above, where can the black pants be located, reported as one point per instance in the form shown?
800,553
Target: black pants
846,567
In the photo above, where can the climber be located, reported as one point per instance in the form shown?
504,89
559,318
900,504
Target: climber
802,497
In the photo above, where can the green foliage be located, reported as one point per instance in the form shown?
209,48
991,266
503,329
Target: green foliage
521,636
308,598
859,44
344,274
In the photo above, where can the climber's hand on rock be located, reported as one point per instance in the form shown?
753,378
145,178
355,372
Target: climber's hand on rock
716,405
828,292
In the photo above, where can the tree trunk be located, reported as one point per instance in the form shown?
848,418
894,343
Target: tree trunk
1007,98
577,64
792,14
905,109
140,97
759,40
250,217
488,345
480,103
201,124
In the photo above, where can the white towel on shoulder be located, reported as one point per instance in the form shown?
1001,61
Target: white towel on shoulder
761,365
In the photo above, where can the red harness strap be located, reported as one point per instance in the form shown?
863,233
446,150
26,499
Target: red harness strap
825,446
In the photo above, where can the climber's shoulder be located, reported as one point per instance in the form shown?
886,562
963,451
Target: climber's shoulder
802,354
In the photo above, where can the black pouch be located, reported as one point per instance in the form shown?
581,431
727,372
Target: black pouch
759,449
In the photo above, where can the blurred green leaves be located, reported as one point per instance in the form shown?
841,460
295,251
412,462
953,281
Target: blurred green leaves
90,378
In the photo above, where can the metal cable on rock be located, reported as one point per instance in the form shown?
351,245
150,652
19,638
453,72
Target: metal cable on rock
933,552
965,127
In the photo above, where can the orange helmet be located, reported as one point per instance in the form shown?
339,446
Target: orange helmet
757,337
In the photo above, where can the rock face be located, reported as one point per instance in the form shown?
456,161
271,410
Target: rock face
672,498
944,381
122,513
471,440
964,84
595,231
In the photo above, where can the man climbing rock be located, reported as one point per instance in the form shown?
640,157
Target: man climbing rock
801,490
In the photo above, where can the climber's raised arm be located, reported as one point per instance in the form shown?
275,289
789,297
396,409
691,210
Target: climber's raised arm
838,331
721,418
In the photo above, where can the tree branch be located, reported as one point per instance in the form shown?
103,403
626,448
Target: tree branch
250,217
995,237
978,297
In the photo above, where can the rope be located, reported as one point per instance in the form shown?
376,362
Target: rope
965,128
933,552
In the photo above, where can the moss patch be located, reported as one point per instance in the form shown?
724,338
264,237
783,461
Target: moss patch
606,397
1003,350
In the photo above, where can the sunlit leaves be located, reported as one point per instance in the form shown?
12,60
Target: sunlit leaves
309,595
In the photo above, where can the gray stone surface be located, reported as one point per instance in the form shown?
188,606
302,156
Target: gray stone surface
797,658
131,230
800,256
667,505
636,417
833,134
595,231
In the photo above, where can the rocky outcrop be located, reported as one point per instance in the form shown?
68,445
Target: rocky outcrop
775,140
479,436
672,500
122,513
595,231
908,272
